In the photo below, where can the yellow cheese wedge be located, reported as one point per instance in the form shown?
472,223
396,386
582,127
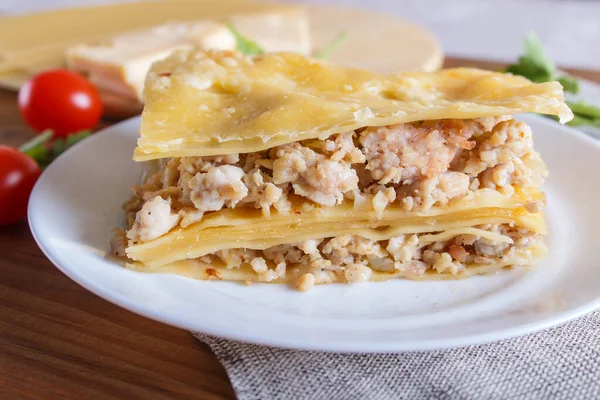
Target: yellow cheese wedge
120,64
30,43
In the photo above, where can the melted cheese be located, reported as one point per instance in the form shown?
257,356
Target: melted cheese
233,228
424,240
306,213
218,102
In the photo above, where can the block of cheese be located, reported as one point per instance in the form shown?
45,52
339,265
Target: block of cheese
119,64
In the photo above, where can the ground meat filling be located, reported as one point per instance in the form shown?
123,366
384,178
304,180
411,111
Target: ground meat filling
353,259
312,174
404,153
419,165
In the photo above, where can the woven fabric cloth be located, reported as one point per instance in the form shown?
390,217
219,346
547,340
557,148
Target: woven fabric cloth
559,363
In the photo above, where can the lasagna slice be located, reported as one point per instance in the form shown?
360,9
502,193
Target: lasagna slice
283,168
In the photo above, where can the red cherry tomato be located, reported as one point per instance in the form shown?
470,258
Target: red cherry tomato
60,100
18,174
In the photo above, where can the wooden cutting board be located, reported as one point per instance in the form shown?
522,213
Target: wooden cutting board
375,41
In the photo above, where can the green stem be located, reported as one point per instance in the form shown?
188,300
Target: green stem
584,109
326,52
37,141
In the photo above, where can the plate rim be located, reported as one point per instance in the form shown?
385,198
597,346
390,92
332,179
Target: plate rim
117,299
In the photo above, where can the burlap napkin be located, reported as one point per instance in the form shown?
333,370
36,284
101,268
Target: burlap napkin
559,363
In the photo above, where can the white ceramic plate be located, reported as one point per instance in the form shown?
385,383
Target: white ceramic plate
76,204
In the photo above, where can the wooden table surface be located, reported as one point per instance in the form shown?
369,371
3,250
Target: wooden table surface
58,340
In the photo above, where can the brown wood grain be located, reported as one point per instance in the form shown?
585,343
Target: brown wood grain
59,341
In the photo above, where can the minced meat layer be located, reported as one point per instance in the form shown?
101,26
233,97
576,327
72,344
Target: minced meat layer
351,258
418,164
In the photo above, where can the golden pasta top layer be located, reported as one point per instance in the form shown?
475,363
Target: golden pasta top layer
219,102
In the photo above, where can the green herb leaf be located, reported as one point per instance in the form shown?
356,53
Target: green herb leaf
527,68
535,53
584,109
579,120
244,44
569,83
44,150
584,114
61,145
77,137
536,66
326,52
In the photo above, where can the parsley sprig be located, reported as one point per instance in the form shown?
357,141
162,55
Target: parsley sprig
250,47
326,52
536,66
44,150
244,44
